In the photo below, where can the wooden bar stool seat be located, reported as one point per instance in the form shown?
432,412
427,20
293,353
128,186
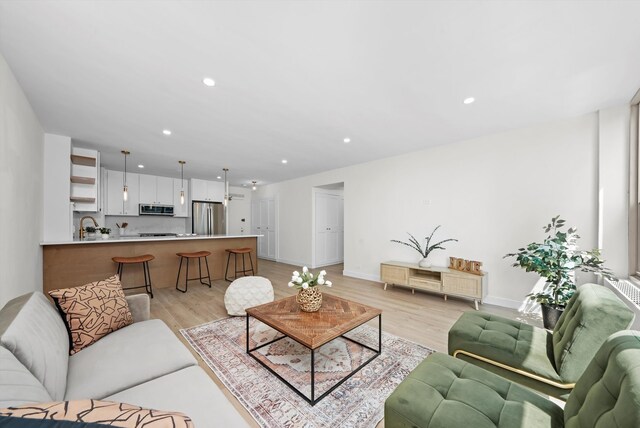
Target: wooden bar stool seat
236,252
188,256
144,260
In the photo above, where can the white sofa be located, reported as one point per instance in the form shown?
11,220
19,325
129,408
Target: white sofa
143,364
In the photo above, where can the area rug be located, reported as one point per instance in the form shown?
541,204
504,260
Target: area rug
358,402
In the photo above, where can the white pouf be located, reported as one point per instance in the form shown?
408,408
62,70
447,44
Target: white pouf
247,292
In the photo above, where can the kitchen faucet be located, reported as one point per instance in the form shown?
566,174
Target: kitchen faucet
95,223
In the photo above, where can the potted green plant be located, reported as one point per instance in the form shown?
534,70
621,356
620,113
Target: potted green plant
556,259
105,231
90,231
428,247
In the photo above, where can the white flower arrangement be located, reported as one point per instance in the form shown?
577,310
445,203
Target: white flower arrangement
307,279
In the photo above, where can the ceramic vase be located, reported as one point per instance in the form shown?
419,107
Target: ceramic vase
424,263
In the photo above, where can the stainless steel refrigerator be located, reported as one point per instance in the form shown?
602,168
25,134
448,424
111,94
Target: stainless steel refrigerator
208,218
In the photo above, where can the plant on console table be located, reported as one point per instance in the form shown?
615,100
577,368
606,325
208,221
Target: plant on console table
428,247
309,296
556,259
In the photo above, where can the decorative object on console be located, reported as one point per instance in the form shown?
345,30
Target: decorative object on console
556,259
462,265
309,296
125,189
102,412
92,311
428,247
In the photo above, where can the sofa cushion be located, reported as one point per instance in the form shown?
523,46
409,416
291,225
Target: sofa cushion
17,384
31,328
92,311
105,413
190,391
591,316
608,393
125,358
446,392
505,341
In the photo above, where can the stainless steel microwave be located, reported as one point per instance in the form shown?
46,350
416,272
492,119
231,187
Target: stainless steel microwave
146,209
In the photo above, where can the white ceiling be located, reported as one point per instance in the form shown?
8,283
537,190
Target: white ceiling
294,78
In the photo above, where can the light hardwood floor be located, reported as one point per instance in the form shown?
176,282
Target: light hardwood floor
421,317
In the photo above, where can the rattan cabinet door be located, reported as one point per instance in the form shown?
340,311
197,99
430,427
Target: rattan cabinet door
462,285
394,274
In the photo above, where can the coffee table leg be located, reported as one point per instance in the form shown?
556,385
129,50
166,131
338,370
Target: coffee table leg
313,373
247,333
379,333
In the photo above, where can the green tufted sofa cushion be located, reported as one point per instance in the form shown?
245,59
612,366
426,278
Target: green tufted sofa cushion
608,393
593,314
447,392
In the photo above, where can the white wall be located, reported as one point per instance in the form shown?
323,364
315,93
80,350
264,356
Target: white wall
57,221
493,193
613,187
21,190
239,209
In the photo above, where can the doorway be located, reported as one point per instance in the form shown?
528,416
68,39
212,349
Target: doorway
328,231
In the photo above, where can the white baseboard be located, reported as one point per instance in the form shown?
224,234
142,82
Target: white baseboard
297,263
500,301
360,275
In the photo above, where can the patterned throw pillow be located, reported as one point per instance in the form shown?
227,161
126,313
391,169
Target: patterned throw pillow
101,412
92,311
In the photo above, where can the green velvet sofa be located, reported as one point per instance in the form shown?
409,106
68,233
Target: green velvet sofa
548,361
447,392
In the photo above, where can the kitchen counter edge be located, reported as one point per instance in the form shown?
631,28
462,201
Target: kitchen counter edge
121,239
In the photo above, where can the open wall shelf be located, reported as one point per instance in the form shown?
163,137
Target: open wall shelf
83,160
82,180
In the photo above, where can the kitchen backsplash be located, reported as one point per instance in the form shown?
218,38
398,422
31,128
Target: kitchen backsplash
144,224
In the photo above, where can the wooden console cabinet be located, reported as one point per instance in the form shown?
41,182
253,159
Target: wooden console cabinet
434,279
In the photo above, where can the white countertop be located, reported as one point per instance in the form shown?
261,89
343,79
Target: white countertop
115,239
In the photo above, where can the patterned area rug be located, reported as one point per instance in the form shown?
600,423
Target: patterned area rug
359,402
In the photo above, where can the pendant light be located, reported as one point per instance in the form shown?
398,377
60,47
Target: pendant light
182,181
226,187
125,189
253,187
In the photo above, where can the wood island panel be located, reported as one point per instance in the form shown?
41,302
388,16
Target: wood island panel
74,265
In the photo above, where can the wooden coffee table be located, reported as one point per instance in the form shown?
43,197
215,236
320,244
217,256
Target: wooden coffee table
335,318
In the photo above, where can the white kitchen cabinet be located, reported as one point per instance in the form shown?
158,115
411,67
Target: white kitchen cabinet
180,210
156,190
263,222
210,191
115,204
329,231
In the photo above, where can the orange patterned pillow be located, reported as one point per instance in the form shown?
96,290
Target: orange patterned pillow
92,311
101,412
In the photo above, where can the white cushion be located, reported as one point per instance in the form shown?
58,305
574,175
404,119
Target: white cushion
247,292
190,391
32,329
125,358
17,385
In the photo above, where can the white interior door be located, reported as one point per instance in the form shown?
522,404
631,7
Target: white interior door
329,236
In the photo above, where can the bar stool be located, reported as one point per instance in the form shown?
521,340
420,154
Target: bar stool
198,255
144,259
235,252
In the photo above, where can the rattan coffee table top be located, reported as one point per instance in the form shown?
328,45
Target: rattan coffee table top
313,329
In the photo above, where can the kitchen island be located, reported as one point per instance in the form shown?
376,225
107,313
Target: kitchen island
78,262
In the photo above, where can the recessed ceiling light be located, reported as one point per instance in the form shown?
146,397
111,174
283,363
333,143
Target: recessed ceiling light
140,166
284,161
347,140
208,81
469,100
166,132
219,178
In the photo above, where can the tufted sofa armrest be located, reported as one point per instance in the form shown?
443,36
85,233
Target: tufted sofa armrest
140,307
